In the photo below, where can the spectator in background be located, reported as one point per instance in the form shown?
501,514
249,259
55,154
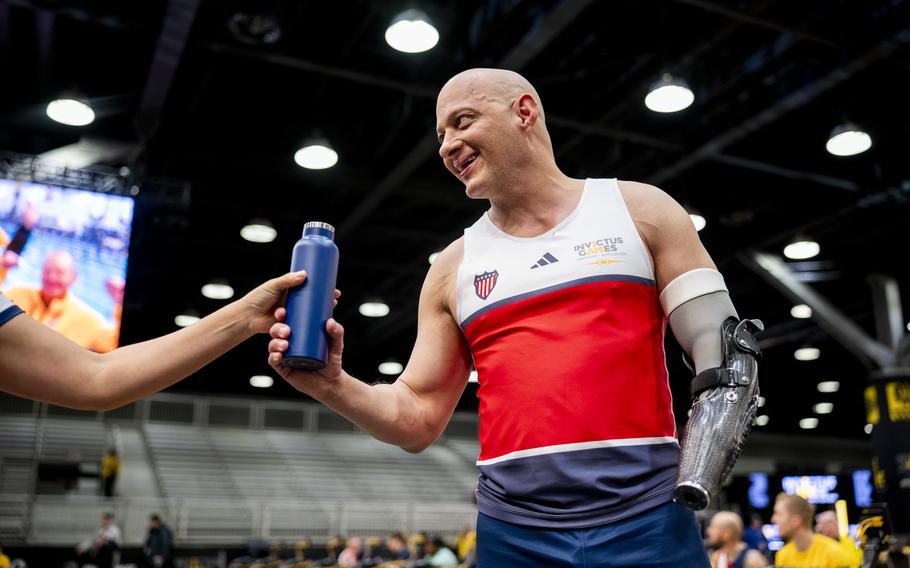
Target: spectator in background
110,470
104,549
466,542
4,559
754,537
725,537
826,525
56,307
397,546
804,548
159,544
350,556
438,554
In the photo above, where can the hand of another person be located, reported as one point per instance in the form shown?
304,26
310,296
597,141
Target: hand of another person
262,301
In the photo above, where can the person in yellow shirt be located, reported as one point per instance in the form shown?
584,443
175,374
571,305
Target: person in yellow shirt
4,559
793,516
826,524
110,469
56,307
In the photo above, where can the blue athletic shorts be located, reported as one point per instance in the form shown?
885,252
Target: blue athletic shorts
666,536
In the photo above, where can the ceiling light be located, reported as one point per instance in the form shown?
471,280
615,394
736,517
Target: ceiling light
828,386
374,309
261,381
70,112
801,311
316,155
867,428
698,221
412,32
762,420
259,231
254,29
432,258
823,408
669,95
801,249
808,423
218,290
391,368
762,401
807,354
848,140
187,319
472,378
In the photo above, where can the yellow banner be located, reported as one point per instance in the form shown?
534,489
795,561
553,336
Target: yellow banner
872,415
898,401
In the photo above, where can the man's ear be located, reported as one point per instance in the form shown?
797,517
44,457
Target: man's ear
528,110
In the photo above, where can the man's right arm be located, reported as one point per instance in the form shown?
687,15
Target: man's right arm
413,411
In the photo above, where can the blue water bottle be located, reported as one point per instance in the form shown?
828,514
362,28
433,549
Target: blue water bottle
309,305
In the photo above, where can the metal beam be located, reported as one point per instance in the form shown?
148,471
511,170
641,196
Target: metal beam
178,20
795,100
776,272
889,315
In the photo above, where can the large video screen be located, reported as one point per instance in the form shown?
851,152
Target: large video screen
64,258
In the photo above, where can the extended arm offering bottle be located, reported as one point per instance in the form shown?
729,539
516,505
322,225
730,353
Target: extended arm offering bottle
309,305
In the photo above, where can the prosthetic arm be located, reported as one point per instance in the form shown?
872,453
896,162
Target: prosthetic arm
723,354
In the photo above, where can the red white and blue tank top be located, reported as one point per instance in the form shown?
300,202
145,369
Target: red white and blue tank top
566,331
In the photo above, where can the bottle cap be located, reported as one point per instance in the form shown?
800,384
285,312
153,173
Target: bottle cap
318,225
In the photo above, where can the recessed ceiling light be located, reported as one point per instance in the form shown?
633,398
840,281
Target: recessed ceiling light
669,94
867,428
70,112
374,309
823,408
848,140
801,311
218,290
801,250
828,386
762,420
316,156
259,231
698,221
391,368
261,381
412,32
186,320
808,423
432,258
807,354
762,401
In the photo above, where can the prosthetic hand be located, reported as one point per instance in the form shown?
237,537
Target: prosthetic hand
724,356
725,399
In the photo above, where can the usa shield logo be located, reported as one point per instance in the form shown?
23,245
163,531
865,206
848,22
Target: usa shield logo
484,283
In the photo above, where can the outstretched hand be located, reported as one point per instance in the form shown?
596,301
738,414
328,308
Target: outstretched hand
263,300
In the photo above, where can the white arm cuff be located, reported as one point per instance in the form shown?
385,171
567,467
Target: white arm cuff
690,285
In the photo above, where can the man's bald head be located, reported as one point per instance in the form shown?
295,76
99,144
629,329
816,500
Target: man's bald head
58,275
725,528
488,83
826,524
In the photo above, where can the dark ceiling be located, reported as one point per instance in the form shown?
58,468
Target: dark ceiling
199,107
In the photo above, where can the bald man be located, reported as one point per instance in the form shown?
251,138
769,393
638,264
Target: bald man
725,535
556,295
826,524
58,308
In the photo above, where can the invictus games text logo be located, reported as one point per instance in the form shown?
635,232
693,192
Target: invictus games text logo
599,247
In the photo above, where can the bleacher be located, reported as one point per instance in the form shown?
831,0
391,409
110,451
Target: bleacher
224,485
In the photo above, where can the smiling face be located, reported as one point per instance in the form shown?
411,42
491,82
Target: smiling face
483,128
58,275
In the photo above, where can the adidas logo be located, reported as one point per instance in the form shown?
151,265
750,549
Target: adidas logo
546,259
